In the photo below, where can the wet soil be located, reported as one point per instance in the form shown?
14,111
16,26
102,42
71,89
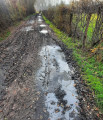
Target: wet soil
35,84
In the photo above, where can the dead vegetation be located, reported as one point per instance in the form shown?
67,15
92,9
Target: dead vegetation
81,20
14,10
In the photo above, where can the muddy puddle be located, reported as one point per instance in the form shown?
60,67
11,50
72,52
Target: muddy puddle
29,28
30,22
39,16
44,31
40,20
54,78
42,25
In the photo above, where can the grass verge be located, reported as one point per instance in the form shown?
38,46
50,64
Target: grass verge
4,35
92,71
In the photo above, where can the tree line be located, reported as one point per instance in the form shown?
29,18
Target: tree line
14,10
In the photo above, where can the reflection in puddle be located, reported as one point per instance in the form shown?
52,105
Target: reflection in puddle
44,31
42,25
30,22
29,28
40,20
55,73
55,111
39,16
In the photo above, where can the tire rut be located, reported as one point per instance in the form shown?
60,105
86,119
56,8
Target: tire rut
32,77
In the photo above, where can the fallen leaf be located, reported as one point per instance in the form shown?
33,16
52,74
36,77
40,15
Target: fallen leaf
72,95
76,104
57,110
98,115
41,117
38,93
26,89
74,85
96,109
1,111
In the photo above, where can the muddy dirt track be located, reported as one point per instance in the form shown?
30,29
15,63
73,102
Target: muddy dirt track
39,80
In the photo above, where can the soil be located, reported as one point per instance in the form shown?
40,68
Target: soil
22,94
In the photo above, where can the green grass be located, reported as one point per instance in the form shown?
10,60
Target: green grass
91,70
91,26
5,35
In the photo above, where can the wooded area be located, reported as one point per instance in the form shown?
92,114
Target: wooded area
14,10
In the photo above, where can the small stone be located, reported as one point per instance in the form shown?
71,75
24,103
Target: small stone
38,93
62,105
37,99
46,93
52,103
71,104
28,118
72,114
68,107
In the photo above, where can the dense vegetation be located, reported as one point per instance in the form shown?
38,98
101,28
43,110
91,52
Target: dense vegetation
12,11
82,30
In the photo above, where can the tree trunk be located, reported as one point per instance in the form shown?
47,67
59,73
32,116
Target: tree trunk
86,30
98,31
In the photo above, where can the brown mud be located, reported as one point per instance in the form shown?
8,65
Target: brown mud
23,95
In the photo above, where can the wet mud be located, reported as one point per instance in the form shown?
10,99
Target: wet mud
39,79
55,78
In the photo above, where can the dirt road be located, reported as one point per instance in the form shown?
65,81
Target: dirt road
39,79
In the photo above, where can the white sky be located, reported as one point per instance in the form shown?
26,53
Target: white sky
42,4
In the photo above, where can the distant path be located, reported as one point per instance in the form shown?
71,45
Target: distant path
36,81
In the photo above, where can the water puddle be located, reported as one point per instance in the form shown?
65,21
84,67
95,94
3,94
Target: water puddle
30,22
39,16
55,111
29,28
44,31
55,79
43,25
40,20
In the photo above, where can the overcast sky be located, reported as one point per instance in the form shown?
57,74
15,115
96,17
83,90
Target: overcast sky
42,4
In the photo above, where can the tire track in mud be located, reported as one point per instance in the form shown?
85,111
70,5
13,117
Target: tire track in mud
55,76
54,81
37,83
18,62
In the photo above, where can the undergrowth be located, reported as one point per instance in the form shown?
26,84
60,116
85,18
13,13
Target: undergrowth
5,34
92,71
82,25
